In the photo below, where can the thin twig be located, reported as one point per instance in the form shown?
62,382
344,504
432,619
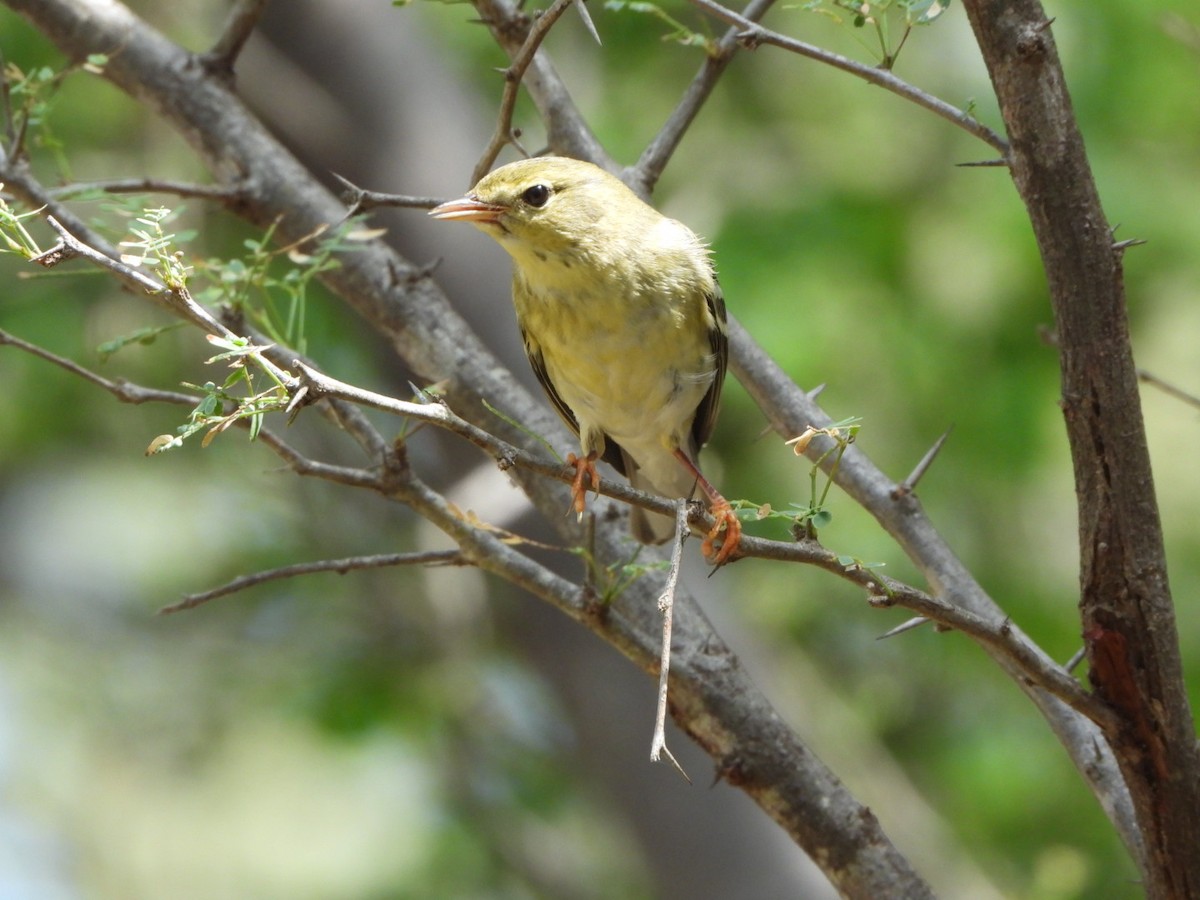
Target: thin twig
19,181
124,391
995,632
360,199
658,152
223,193
754,34
1167,388
300,464
666,605
341,566
512,85
236,30
567,131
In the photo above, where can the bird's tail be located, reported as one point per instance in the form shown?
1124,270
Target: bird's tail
649,527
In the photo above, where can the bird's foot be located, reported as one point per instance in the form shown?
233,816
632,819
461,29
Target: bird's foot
728,529
585,475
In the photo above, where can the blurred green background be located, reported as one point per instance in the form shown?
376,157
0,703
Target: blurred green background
434,734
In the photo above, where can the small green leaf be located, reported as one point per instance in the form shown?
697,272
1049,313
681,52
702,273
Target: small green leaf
144,336
821,518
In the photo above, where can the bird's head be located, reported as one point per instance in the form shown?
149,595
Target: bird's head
546,206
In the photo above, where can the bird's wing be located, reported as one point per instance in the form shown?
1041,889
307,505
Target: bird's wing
706,412
612,450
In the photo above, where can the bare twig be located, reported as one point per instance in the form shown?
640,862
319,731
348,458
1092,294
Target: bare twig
512,85
754,34
236,30
341,566
666,605
124,391
1167,388
658,152
224,193
361,200
568,133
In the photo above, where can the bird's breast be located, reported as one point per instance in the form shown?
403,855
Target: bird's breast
629,362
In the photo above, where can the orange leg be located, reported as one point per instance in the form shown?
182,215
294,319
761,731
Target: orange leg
585,474
722,512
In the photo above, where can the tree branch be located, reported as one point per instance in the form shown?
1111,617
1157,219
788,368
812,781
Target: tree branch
567,132
239,25
340,566
713,698
146,186
503,135
753,34
1128,616
790,411
659,151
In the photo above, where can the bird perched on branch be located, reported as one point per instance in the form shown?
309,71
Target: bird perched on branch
624,325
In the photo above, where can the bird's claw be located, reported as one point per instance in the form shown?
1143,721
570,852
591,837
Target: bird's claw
728,528
585,475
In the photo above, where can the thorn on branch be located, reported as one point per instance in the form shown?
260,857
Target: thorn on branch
908,625
1122,246
909,484
581,5
1167,388
1073,663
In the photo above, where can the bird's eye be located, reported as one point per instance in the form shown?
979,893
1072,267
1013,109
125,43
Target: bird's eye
537,195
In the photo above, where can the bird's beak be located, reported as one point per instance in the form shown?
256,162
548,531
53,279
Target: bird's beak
469,209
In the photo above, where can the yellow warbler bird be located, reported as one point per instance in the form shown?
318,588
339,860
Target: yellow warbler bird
623,323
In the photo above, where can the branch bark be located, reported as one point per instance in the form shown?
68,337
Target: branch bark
1125,601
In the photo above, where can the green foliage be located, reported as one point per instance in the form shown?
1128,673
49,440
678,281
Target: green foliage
16,237
611,580
883,17
155,249
142,336
678,33
815,514
271,284
31,98
219,407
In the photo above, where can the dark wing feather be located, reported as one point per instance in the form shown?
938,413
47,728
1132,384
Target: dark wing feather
706,412
612,450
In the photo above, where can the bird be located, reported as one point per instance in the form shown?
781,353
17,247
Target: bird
624,324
